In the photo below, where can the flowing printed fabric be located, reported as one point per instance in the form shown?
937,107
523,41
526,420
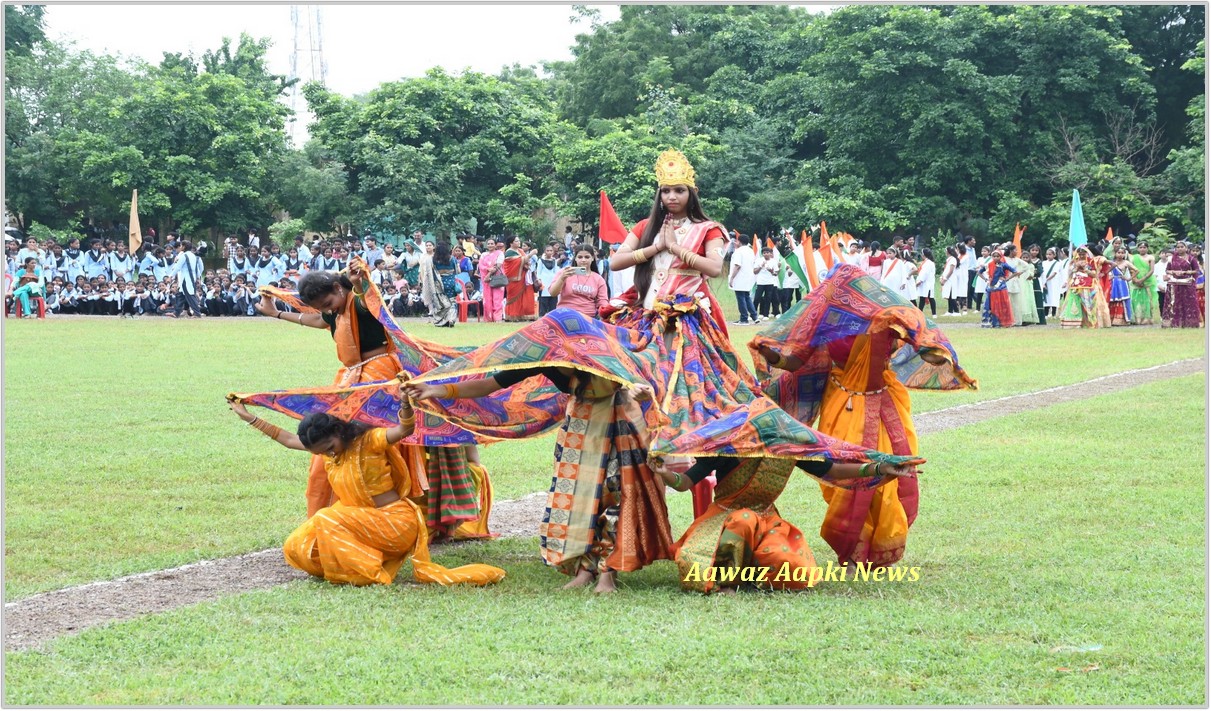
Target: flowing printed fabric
450,509
743,529
1120,299
1084,305
854,385
354,542
1181,308
605,509
520,302
998,309
1144,304
523,410
705,404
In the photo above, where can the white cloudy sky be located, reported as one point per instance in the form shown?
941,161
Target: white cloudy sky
363,45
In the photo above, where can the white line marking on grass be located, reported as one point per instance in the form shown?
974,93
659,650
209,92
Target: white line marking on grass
1057,388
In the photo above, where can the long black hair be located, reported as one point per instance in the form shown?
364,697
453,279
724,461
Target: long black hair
316,285
441,253
693,209
319,426
583,247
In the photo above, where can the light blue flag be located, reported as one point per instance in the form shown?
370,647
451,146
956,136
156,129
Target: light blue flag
1077,236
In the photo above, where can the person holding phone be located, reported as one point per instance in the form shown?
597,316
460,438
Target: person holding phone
580,287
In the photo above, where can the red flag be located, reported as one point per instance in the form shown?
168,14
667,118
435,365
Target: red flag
826,245
609,227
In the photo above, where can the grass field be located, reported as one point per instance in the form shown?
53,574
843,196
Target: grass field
1061,553
121,456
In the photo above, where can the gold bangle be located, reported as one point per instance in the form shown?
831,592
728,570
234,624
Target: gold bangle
270,430
451,391
640,257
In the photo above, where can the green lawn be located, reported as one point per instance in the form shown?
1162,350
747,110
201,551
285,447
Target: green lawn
121,456
1041,534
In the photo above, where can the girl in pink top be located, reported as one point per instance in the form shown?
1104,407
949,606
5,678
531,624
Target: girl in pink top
580,287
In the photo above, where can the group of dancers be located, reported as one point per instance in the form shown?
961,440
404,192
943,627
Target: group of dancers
648,396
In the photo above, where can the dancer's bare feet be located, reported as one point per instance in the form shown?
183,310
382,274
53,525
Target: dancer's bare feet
606,582
583,578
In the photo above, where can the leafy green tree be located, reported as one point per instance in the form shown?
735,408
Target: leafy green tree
24,27
312,186
431,152
1185,178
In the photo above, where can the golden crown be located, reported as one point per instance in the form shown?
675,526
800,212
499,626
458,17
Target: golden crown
672,168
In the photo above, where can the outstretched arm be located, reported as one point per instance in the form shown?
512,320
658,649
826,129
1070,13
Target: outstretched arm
289,440
480,387
268,308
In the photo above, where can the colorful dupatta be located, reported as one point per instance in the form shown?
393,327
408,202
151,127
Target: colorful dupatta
539,407
706,402
850,303
844,334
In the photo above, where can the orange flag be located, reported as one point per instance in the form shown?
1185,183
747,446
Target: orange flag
826,249
1109,234
1017,238
756,244
769,242
610,228
135,235
809,256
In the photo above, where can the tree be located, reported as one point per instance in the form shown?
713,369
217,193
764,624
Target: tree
24,28
433,151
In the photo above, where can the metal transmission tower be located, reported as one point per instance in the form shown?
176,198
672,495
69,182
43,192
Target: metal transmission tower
306,60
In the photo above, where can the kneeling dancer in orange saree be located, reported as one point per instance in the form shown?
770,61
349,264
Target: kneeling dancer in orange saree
456,490
847,356
372,528
742,538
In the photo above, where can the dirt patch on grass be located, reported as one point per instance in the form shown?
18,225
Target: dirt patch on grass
37,619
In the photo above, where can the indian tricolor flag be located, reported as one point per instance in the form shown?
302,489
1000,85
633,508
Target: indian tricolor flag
805,272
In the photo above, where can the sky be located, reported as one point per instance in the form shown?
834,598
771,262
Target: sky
363,45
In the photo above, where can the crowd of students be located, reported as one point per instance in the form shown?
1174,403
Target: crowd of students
1133,280
493,274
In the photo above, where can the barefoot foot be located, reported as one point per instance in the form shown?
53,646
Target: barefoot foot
583,578
606,582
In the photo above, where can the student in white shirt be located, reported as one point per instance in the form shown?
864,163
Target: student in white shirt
765,270
741,280
95,262
927,273
188,270
121,264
